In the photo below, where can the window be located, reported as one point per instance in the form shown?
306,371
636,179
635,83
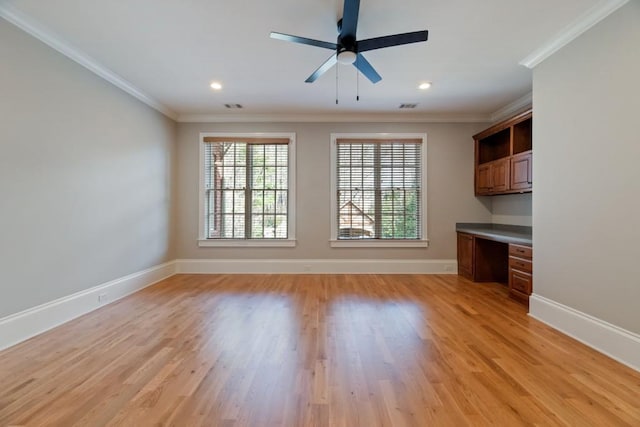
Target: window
378,184
246,192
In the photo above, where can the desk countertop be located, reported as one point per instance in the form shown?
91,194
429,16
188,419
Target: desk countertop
517,234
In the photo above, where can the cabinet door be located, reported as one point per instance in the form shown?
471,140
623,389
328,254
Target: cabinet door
483,179
521,171
520,285
465,255
500,172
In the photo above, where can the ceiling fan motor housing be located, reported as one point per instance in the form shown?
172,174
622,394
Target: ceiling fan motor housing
347,42
347,48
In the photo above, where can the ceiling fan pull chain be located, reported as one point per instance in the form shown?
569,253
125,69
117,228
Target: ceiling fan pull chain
337,84
357,80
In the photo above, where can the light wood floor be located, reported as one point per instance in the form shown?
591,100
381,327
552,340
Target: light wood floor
294,350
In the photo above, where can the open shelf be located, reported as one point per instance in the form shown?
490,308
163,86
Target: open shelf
522,140
494,147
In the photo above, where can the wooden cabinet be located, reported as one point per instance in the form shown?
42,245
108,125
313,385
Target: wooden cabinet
493,177
484,175
465,255
520,272
486,253
481,259
503,157
520,285
521,171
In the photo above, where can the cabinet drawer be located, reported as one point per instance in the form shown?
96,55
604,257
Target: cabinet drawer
520,296
520,282
521,251
520,264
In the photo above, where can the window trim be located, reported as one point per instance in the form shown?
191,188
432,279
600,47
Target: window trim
290,241
334,242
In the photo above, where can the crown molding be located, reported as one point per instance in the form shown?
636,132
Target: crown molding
31,27
514,107
333,118
587,20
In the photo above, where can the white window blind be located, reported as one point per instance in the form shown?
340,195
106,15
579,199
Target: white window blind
246,188
378,185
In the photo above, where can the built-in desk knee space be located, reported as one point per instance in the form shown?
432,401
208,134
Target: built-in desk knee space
497,253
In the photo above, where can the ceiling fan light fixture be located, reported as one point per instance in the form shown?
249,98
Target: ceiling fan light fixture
347,57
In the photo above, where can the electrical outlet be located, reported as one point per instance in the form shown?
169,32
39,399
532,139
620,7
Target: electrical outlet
102,298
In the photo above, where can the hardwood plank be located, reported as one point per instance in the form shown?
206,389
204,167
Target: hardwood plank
325,350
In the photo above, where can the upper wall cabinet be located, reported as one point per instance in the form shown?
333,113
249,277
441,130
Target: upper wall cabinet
503,157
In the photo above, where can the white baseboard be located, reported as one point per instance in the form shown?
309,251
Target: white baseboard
36,320
615,342
316,266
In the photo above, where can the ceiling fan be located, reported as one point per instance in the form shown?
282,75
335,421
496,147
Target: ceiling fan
348,50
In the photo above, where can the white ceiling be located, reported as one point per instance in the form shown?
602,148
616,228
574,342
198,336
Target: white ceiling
170,50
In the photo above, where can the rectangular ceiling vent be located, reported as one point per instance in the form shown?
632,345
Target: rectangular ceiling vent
234,106
403,106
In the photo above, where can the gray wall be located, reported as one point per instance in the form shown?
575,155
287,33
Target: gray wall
586,205
84,177
514,209
449,192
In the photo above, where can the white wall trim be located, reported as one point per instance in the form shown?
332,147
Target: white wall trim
247,243
21,326
333,118
584,22
378,243
35,29
512,108
315,266
615,342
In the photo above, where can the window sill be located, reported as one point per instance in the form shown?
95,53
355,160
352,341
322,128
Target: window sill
370,243
240,243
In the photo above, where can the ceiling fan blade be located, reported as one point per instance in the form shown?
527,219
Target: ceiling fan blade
367,69
394,40
323,68
350,18
303,40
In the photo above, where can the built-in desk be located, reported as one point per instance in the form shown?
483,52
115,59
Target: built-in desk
497,253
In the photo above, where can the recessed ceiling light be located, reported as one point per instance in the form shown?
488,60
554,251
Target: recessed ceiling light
424,86
216,86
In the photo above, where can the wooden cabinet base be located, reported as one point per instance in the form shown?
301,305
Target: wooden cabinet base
519,296
465,255
520,272
481,259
